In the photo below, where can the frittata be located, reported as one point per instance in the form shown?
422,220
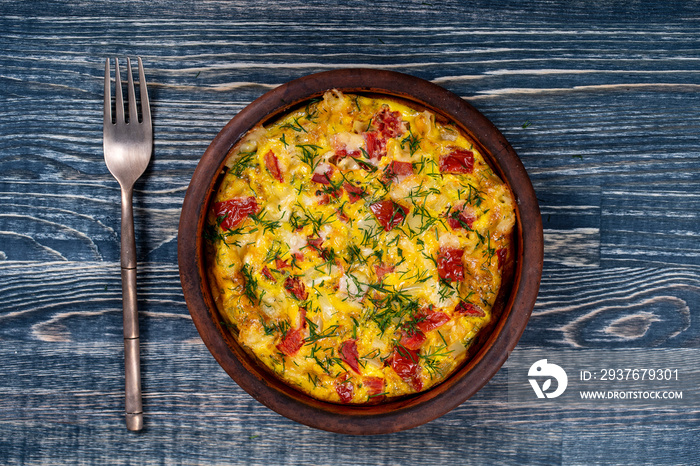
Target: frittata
356,247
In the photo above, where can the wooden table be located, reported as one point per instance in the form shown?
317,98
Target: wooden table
600,101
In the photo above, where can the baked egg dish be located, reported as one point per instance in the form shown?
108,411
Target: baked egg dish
356,247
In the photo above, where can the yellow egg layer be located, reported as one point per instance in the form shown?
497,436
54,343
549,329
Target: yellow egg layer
356,247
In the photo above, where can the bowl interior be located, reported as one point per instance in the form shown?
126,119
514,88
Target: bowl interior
513,305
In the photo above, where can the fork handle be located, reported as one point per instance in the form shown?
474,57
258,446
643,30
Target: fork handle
132,364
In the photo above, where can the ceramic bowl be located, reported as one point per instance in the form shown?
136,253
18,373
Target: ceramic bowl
511,313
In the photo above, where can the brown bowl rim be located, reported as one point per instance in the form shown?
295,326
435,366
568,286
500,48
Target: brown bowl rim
401,414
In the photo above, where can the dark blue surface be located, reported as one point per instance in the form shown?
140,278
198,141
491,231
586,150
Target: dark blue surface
600,100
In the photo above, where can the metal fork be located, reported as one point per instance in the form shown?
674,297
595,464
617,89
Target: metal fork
127,149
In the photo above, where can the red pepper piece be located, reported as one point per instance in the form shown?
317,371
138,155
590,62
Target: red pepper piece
388,213
291,342
375,385
457,161
344,389
235,210
449,264
461,218
469,309
412,339
355,193
348,353
295,286
502,254
272,165
396,168
405,364
432,321
375,145
323,177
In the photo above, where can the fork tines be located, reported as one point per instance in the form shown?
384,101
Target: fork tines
133,115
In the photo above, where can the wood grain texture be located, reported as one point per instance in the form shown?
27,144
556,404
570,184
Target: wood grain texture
599,100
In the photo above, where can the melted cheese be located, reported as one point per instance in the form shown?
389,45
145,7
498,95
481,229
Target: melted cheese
340,299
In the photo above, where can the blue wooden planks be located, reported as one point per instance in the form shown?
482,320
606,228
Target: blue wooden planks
600,102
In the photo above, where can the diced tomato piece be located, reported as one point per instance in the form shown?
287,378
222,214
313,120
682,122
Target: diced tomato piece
341,215
449,264
412,339
469,309
355,193
396,168
461,218
405,364
317,245
325,196
295,286
375,145
388,213
388,123
302,318
320,178
348,353
273,166
291,342
339,154
267,274
502,254
340,151
457,161
432,321
323,175
281,264
344,389
235,210
382,270
375,385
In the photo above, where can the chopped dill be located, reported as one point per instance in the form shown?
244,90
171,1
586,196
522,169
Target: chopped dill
354,254
250,287
473,195
244,160
413,142
316,222
315,335
275,328
296,126
309,153
432,359
312,115
267,225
